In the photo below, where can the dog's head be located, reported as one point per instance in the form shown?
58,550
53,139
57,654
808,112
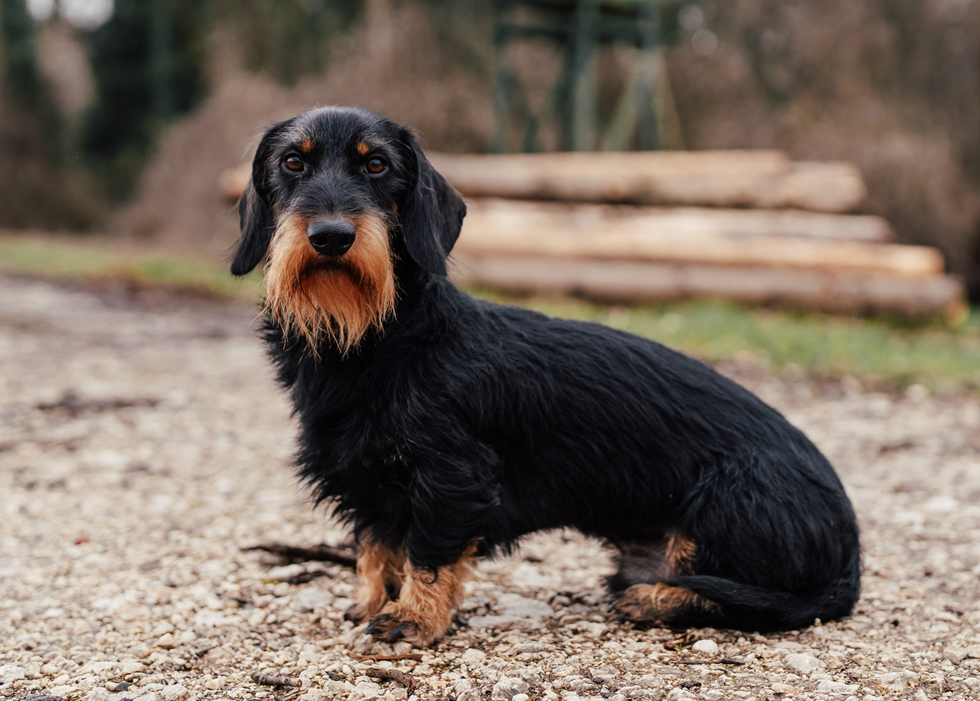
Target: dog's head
336,196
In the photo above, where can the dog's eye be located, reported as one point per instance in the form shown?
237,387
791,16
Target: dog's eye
376,165
293,163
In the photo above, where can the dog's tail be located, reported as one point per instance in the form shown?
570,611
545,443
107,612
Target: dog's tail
748,607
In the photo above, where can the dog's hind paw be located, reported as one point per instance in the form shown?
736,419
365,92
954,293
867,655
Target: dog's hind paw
636,605
659,604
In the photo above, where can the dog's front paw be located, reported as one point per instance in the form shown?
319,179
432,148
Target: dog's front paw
396,623
358,613
390,629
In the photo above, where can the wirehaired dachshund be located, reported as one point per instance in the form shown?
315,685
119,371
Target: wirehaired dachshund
443,428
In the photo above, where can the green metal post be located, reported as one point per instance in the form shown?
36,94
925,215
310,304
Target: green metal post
503,93
649,28
584,89
163,102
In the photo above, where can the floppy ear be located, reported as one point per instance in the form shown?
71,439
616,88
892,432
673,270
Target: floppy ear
432,214
255,219
255,211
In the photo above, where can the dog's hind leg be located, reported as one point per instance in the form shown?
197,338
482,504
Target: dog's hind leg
644,566
652,560
640,562
381,571
424,610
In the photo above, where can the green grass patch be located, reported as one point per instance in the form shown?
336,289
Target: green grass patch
45,257
195,274
878,349
94,260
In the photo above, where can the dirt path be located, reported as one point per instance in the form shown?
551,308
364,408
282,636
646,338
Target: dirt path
143,445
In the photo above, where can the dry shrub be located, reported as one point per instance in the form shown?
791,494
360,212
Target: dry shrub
40,187
891,86
36,192
914,180
388,65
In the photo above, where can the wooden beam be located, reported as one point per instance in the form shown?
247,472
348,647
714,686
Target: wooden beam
759,179
494,215
684,236
622,281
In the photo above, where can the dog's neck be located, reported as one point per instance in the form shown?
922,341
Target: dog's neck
420,310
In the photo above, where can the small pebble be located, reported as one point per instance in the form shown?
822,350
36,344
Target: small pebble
706,647
803,662
166,641
508,688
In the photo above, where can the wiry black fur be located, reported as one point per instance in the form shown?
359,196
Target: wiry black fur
464,420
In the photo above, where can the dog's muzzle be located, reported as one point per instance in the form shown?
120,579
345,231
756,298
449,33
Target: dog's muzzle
331,237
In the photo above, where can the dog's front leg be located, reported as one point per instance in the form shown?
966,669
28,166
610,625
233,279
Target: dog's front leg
425,606
380,569
453,496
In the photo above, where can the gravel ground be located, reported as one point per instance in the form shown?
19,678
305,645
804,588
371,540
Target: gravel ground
144,446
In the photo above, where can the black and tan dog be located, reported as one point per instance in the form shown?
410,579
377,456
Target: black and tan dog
444,428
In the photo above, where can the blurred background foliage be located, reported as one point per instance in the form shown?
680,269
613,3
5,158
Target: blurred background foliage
125,127
148,63
287,40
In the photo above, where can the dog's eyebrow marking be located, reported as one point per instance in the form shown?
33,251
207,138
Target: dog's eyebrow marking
306,145
363,147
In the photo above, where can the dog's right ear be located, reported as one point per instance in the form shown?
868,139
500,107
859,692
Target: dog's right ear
255,219
255,210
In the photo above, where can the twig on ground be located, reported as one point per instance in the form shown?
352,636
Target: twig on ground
74,405
342,554
395,675
202,651
379,658
274,680
304,577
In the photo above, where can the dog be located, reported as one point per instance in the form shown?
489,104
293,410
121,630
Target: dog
442,428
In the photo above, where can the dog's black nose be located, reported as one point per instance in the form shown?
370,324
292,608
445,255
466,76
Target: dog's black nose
331,237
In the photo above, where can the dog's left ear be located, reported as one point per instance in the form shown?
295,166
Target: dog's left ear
432,214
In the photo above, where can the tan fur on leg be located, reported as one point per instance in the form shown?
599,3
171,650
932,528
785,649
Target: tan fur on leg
680,553
380,571
336,299
658,603
425,607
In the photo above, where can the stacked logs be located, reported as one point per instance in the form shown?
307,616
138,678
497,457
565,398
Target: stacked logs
749,226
